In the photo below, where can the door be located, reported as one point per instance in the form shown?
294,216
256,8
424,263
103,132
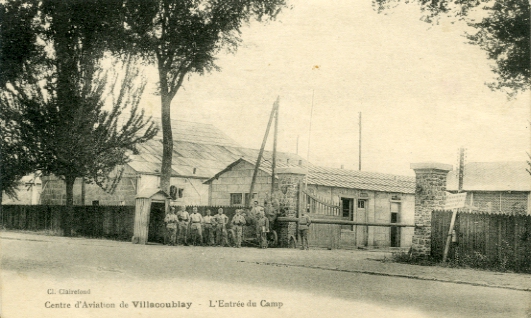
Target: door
362,231
395,231
156,223
347,207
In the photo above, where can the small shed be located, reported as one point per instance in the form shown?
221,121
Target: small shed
151,206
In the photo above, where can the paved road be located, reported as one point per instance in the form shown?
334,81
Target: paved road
201,278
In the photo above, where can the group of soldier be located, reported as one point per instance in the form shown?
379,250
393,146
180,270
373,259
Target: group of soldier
211,229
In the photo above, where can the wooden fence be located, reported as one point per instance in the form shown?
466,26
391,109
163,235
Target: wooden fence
114,222
484,240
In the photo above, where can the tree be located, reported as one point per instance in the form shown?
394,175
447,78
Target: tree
503,32
61,105
182,37
15,159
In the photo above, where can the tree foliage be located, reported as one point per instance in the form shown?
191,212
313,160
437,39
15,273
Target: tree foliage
182,37
72,116
503,31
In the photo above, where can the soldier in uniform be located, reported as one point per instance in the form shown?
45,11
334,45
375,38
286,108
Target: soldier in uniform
270,214
184,220
263,228
221,228
195,226
255,210
238,221
304,225
208,227
255,216
171,225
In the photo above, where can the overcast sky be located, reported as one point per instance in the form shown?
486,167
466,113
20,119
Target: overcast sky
420,89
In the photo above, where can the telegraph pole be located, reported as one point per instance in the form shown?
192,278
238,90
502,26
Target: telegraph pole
461,171
261,152
359,143
274,163
310,129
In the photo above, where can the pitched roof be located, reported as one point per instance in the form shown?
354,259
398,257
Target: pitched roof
199,151
341,178
362,180
150,192
265,166
492,176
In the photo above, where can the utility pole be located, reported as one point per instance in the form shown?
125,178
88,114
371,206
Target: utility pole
274,163
359,144
310,129
461,169
259,159
460,176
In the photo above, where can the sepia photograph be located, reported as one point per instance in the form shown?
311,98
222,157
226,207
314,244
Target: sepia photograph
265,158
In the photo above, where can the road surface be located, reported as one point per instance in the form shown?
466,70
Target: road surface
46,276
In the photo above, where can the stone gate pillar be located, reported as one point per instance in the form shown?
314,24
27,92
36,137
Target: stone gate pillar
429,195
290,180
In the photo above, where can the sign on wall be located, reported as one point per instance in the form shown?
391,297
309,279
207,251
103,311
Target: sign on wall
455,201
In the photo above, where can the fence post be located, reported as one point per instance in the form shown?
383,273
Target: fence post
430,180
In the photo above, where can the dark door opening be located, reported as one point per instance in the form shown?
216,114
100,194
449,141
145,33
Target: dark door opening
347,214
395,231
156,223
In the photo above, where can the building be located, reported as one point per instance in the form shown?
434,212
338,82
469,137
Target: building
495,187
200,151
331,194
28,193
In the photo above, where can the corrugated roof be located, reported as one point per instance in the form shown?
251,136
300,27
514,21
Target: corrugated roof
362,180
492,176
197,133
200,146
341,178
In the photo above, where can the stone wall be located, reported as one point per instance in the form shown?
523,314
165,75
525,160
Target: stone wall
430,195
286,194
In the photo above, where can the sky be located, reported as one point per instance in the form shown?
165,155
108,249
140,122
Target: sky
420,88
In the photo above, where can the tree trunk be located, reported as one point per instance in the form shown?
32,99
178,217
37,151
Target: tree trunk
167,144
68,217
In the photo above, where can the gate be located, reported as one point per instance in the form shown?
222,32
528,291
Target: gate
322,235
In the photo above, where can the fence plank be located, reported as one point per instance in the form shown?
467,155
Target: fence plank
487,239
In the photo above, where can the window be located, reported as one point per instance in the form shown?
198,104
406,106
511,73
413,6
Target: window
236,199
95,202
347,207
247,197
361,204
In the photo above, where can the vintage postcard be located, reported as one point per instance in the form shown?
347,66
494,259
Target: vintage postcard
327,159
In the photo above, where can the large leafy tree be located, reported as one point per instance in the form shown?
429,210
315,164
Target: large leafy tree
75,118
182,37
502,29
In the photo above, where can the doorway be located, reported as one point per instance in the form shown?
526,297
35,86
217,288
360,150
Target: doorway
347,205
156,222
395,230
